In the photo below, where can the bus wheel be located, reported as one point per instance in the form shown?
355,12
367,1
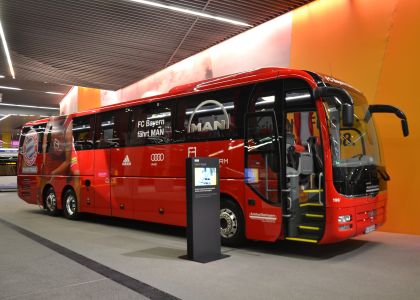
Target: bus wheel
70,205
50,201
232,224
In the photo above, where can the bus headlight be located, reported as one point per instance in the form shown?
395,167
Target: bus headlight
344,219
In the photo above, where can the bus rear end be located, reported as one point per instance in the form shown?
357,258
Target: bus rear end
30,161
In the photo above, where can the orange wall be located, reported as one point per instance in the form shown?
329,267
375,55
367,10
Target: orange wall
373,45
88,98
398,84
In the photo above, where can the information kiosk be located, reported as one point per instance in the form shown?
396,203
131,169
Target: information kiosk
203,209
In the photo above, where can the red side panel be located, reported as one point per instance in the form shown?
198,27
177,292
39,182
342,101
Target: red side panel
102,180
263,221
148,182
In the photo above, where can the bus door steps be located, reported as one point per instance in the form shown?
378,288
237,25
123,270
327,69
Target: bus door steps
314,216
311,207
305,238
310,227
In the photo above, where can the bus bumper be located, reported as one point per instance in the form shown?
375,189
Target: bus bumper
346,222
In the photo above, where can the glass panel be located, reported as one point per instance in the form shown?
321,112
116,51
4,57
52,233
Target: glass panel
304,156
104,135
83,132
355,151
213,115
263,164
152,124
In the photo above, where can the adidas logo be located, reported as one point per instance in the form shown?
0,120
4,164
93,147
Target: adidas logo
126,161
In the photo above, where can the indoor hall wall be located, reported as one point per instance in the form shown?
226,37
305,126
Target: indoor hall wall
373,45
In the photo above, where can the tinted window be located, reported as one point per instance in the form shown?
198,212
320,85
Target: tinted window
104,134
262,155
121,127
264,97
152,123
298,94
22,137
83,128
214,115
40,132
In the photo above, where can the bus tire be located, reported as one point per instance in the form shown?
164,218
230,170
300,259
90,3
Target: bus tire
232,223
50,202
70,206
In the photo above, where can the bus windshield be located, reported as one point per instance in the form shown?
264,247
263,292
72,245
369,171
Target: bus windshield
357,145
355,151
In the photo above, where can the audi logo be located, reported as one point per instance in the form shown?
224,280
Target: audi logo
154,157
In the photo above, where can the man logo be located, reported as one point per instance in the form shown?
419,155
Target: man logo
217,125
155,157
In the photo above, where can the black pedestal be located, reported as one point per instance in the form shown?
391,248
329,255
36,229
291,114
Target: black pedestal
203,209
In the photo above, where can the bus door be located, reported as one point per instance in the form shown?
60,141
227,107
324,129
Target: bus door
263,212
102,178
304,210
83,160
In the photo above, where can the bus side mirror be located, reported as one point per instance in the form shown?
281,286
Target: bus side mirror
404,125
342,97
382,108
348,115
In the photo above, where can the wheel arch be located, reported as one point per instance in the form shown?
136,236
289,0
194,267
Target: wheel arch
65,189
227,196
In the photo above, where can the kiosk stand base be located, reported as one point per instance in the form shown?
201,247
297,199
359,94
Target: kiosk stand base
204,260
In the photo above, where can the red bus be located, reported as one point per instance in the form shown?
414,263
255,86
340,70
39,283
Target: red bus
299,157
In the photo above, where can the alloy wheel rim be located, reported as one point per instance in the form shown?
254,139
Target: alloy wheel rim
70,205
51,202
228,223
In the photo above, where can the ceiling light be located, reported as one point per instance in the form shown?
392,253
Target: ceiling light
10,88
2,76
192,12
54,93
5,117
6,51
28,106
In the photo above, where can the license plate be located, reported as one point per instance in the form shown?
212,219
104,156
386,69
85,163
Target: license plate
370,228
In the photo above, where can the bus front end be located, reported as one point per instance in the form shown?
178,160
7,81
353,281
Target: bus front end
356,178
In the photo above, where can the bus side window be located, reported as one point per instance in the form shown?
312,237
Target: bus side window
104,133
121,127
25,130
264,97
40,132
83,128
151,124
213,115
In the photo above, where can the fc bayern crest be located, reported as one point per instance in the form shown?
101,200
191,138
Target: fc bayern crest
30,147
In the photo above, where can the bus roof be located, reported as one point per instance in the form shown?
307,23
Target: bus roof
231,80
198,87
